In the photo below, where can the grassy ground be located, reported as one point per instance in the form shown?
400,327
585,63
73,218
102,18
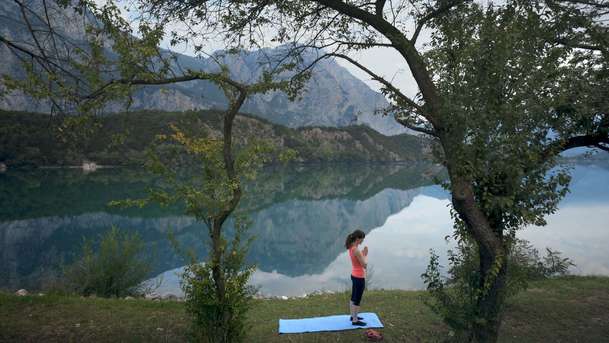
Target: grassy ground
574,309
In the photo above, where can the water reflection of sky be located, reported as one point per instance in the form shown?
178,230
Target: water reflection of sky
399,252
399,249
579,229
580,233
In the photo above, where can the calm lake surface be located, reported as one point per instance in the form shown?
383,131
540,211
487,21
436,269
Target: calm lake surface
300,218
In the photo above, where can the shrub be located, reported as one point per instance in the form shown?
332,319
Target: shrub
214,318
117,269
525,260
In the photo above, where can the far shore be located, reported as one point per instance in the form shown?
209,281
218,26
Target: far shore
269,165
99,166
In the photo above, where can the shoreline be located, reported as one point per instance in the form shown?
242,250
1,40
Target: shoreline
172,296
179,296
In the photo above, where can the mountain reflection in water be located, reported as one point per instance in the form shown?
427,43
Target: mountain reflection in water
300,215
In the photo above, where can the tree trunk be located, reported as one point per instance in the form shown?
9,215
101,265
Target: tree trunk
492,254
219,281
218,221
490,303
217,272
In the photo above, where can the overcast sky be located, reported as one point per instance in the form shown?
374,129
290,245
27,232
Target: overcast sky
387,63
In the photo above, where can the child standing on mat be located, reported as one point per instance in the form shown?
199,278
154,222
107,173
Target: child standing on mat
358,272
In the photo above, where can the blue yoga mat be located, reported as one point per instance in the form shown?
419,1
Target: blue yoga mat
329,323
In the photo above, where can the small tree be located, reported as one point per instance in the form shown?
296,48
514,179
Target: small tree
217,294
455,296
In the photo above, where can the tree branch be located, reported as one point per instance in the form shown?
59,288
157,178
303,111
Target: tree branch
384,45
445,7
401,96
409,125
588,3
380,5
585,141
593,141
579,45
184,78
381,80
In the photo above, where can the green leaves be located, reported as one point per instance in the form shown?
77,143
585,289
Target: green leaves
497,74
116,268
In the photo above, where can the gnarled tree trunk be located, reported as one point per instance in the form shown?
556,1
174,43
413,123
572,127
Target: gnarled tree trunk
491,249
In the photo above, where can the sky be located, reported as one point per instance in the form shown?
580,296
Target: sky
386,62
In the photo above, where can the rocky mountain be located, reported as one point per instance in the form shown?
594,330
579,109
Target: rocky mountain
333,97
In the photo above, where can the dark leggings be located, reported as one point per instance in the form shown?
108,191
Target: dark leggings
357,290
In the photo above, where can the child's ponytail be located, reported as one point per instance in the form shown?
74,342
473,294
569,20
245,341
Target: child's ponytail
352,237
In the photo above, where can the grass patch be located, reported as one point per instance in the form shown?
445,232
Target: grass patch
569,309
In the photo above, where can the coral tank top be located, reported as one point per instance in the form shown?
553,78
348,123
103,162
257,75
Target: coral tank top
357,270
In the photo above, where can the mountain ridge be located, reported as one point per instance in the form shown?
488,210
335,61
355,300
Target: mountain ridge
333,97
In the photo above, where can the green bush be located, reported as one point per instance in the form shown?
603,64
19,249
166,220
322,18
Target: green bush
220,319
117,269
526,264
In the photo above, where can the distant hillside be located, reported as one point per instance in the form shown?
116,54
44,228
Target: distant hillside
333,97
30,139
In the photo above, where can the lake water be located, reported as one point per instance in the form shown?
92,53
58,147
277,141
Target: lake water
300,218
